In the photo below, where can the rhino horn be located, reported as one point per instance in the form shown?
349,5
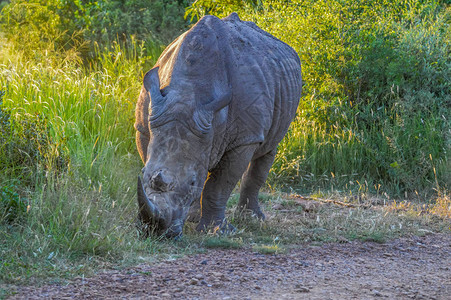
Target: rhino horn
147,209
152,83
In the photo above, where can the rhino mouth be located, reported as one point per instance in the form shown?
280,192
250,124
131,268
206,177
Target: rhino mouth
153,220
149,213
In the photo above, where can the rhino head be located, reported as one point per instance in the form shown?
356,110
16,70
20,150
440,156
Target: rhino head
178,155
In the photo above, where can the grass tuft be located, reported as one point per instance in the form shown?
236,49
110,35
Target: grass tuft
268,249
223,243
442,206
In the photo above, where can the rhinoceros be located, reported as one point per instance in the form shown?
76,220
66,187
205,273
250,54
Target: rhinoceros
211,112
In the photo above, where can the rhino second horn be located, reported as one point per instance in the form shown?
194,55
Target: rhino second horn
147,210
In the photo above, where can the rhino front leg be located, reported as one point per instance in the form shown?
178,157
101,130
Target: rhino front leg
194,211
220,183
253,179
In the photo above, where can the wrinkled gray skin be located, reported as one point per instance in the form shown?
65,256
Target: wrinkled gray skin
212,110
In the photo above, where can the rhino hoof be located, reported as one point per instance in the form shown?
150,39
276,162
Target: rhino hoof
254,213
219,227
257,213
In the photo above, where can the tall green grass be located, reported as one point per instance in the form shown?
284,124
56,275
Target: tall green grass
85,205
390,158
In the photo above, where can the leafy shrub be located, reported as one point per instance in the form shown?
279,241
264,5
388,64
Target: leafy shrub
146,20
201,8
68,28
12,207
36,28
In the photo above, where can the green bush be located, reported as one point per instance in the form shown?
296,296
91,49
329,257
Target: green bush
12,207
34,27
146,20
221,8
71,28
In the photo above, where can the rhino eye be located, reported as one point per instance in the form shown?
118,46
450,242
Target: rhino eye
192,181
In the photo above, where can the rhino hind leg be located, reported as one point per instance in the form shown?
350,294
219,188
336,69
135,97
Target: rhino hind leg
253,179
220,183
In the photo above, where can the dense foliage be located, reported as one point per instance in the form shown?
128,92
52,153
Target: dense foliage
60,25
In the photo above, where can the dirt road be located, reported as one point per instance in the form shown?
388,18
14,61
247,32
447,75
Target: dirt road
408,268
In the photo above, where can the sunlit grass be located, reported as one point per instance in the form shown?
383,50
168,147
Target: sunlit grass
87,109
83,212
442,206
268,249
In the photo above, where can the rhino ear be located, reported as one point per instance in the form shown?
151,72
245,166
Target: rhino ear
152,83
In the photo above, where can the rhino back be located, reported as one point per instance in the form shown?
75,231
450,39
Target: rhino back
263,73
266,83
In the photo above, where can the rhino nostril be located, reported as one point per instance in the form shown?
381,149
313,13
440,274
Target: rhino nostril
157,177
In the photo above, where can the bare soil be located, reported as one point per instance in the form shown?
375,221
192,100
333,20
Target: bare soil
406,268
